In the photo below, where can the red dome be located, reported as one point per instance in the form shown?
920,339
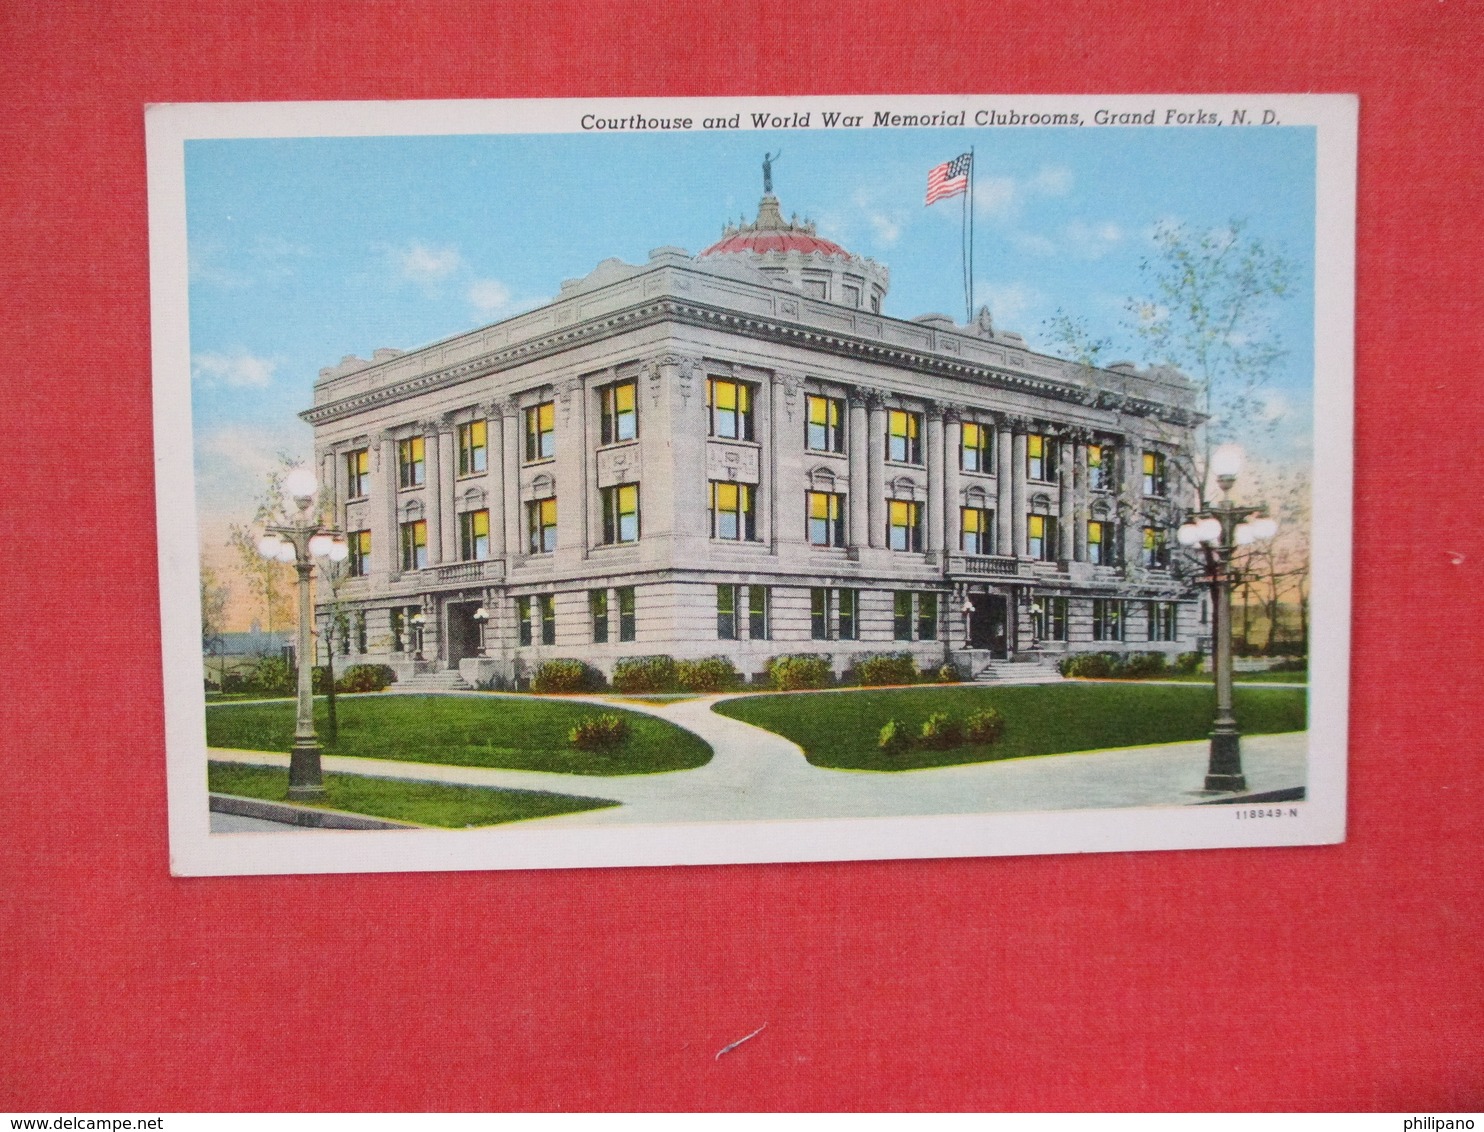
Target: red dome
762,241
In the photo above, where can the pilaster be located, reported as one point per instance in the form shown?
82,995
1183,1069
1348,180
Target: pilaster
934,454
876,467
860,492
448,546
1004,450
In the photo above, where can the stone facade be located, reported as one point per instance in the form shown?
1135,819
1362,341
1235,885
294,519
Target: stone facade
747,459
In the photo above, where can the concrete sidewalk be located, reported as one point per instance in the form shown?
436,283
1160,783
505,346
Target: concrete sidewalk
755,774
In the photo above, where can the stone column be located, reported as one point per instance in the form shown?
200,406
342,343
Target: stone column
952,446
1066,522
771,414
385,538
1129,516
876,468
1004,535
570,471
431,470
510,477
494,462
1018,499
859,461
1080,503
934,455
448,523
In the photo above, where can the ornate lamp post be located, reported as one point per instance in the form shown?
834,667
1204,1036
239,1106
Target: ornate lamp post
300,539
1219,530
418,620
482,618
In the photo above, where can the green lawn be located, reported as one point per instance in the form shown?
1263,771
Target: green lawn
516,733
1242,677
840,729
427,803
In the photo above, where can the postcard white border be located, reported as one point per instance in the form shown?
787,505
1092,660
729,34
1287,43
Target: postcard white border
194,851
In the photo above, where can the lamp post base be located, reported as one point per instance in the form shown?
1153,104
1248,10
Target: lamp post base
305,782
1224,771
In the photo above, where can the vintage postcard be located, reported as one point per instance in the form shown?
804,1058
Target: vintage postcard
597,483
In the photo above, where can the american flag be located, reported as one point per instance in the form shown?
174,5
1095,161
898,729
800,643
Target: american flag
948,179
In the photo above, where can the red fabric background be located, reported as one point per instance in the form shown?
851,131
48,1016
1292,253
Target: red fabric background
1341,977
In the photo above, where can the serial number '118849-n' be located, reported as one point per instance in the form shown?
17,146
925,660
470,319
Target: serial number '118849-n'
1268,812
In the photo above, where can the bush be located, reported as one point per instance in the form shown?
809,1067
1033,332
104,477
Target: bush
949,674
713,674
800,670
895,738
1188,662
233,682
644,674
886,668
365,678
984,726
563,675
941,731
1295,664
599,732
270,676
1089,665
1140,666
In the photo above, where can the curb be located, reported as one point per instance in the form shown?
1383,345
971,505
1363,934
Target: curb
310,816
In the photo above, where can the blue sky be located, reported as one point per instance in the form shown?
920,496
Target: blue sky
304,250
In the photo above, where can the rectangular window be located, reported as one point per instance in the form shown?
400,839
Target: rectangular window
597,607
1100,467
1097,549
1040,537
849,614
1049,619
541,432
473,448
415,544
620,405
523,619
541,525
732,515
822,430
1156,554
547,605
1163,622
359,543
730,406
357,473
927,617
621,513
904,436
903,525
901,616
757,612
627,622
819,614
1155,479
1107,619
726,613
826,519
977,535
360,631
411,466
977,451
1040,457
474,536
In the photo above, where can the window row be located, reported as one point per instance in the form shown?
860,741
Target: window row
1111,619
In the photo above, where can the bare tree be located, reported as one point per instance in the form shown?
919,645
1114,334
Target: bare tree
215,596
270,582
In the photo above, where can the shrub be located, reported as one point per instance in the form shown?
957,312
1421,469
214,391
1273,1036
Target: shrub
1140,666
800,670
1294,664
895,738
270,676
886,668
233,682
644,674
713,674
562,675
941,731
949,674
599,732
1188,662
1090,665
365,678
984,726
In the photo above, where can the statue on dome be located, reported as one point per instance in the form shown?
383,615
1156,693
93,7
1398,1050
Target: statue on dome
768,159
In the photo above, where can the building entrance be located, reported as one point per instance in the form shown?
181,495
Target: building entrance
463,631
989,625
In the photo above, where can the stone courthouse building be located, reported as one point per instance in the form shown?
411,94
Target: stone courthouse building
738,453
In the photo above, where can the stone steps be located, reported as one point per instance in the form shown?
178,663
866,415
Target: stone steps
445,681
1017,672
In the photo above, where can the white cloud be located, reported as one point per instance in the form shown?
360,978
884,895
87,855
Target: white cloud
237,370
1003,197
1052,181
996,196
1092,241
1032,244
489,296
424,265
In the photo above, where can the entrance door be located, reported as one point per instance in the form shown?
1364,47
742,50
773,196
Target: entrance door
463,632
988,625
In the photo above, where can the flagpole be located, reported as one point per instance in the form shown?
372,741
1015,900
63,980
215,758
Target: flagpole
963,247
971,233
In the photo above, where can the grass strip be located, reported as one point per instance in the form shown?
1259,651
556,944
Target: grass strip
841,729
511,733
427,803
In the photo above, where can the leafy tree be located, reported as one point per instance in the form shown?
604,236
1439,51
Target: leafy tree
271,583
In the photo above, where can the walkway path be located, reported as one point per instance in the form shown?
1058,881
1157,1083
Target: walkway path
755,774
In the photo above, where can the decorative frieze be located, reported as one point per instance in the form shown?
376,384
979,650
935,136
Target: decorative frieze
731,462
619,465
